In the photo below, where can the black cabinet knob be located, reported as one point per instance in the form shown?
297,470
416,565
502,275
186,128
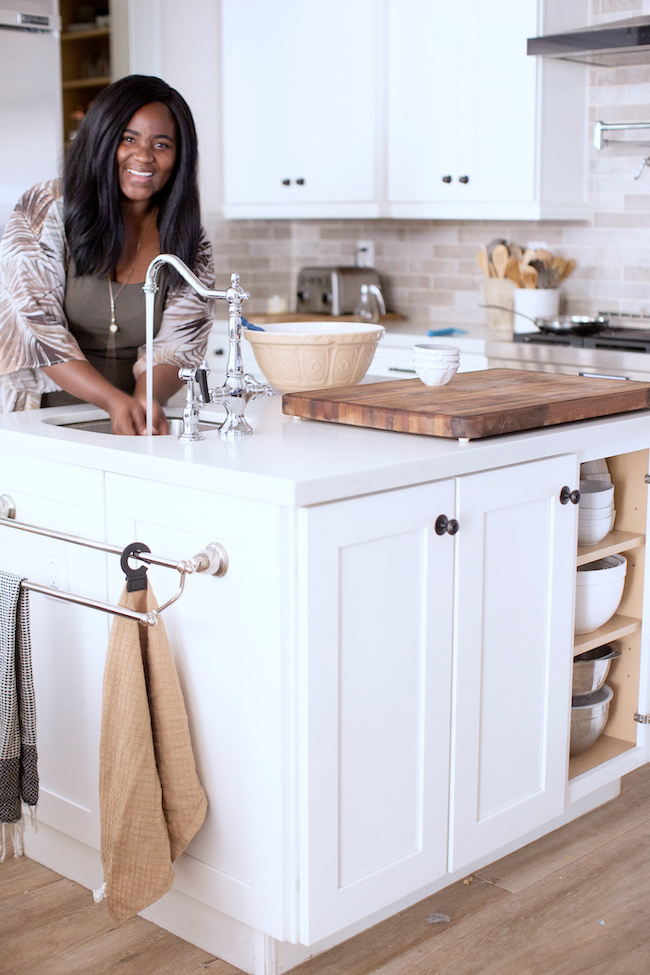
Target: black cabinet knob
286,182
463,179
566,495
446,179
300,181
444,524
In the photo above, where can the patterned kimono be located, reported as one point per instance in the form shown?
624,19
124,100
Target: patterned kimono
34,332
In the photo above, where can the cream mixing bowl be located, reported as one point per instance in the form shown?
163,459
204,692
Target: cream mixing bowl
297,356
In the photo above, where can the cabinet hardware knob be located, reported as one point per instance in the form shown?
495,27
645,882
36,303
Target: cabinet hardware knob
566,495
300,181
463,179
446,179
286,182
444,524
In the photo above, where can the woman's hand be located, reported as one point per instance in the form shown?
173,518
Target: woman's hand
127,413
159,424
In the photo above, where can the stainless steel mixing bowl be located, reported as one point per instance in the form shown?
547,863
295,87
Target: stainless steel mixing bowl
589,719
590,669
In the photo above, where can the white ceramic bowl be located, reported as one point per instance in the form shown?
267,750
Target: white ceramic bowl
428,348
296,356
596,494
599,590
593,530
588,516
432,376
427,360
588,719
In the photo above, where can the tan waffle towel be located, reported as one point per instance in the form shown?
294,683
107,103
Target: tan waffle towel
151,801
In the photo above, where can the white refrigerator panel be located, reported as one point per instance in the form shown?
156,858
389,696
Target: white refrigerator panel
31,144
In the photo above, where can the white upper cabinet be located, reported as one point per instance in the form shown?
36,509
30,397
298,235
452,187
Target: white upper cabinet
400,108
300,88
478,129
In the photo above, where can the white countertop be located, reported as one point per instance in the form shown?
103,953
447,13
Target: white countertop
303,462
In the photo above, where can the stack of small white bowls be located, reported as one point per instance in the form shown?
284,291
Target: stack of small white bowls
596,513
436,364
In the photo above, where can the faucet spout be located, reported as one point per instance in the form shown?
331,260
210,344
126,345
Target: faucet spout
239,387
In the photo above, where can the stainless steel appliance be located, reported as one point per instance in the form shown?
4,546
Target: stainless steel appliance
618,349
30,98
615,43
333,290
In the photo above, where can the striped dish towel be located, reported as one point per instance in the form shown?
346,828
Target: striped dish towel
18,760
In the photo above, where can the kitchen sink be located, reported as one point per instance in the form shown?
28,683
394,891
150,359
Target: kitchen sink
104,425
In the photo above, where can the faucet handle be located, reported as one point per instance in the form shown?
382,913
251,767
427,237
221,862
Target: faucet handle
202,380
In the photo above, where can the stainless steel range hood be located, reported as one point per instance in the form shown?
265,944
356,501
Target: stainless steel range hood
617,43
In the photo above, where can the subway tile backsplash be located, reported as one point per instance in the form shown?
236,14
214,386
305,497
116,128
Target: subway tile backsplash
428,268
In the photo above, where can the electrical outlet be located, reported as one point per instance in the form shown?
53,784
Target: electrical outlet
364,253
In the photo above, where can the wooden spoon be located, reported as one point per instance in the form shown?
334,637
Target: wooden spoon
512,271
570,266
528,256
483,263
500,258
544,255
529,276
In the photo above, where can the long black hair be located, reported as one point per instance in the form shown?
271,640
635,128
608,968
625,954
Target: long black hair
92,203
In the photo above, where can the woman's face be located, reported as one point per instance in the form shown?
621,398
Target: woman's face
146,154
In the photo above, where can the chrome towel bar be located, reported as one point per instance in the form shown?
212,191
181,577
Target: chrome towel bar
212,559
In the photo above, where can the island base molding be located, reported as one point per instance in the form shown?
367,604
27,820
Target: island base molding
238,944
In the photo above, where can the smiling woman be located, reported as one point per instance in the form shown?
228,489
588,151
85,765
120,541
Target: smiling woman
75,253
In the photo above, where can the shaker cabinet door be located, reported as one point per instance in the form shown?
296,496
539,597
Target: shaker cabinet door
68,641
474,124
375,597
516,564
299,107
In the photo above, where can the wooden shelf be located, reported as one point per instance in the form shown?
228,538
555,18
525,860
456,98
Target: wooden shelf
85,35
613,629
612,544
87,83
602,750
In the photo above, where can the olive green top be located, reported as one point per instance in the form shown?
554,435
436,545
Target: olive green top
87,308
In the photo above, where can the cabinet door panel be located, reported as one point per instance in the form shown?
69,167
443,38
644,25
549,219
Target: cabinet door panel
375,601
68,642
227,637
516,546
308,109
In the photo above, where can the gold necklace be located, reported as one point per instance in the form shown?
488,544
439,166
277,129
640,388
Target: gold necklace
113,327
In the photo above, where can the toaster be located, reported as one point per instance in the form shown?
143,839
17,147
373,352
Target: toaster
332,290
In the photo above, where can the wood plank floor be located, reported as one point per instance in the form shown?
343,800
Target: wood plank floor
576,901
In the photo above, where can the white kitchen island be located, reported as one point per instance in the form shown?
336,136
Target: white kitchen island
376,708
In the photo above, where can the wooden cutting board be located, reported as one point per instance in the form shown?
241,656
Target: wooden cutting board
473,404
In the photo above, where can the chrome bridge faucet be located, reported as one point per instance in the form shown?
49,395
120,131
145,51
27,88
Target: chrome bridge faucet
239,387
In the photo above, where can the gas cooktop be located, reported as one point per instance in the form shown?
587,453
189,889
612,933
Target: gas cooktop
626,333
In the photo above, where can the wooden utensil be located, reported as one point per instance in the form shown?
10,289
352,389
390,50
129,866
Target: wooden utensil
528,256
483,261
515,251
545,256
528,276
570,265
512,271
559,264
500,258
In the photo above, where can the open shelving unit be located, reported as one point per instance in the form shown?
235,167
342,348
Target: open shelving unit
630,492
85,59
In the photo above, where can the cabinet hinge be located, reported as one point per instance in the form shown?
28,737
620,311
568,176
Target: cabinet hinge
642,718
647,478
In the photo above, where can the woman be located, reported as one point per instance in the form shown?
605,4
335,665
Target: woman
75,253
